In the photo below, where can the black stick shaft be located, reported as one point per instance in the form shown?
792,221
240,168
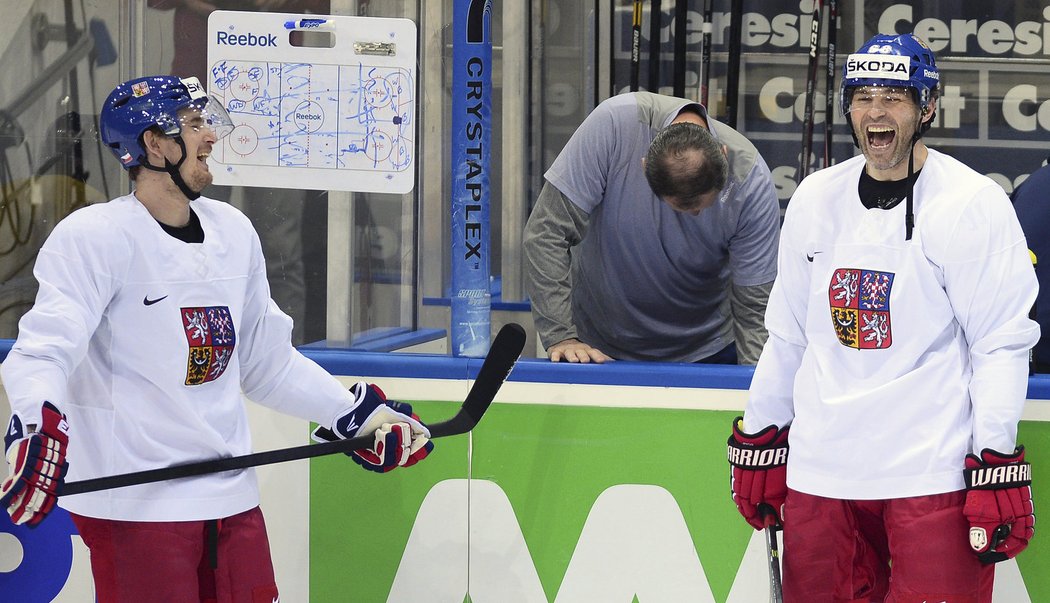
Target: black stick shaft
736,25
829,84
776,589
655,24
705,59
811,84
681,15
504,352
636,45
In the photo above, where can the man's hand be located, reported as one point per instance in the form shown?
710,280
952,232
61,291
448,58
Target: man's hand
401,439
999,504
574,350
759,473
37,466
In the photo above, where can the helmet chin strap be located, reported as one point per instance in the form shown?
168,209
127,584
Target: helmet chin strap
173,171
909,215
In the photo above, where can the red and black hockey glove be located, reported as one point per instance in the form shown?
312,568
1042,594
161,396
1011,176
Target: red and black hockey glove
999,504
401,439
759,473
37,464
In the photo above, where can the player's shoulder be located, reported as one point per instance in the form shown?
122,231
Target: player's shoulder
950,184
952,173
97,218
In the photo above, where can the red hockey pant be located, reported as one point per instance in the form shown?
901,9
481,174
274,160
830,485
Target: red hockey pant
899,551
135,561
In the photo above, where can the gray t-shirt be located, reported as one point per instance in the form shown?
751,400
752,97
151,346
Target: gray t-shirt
650,283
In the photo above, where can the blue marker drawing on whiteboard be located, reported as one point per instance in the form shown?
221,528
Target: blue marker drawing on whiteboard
295,114
310,24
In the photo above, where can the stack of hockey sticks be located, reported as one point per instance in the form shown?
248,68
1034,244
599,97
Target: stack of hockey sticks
811,84
506,348
679,36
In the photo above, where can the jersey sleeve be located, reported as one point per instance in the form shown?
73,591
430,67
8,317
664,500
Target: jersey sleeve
78,270
770,398
273,372
555,226
989,279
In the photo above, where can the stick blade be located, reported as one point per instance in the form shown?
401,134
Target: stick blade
503,353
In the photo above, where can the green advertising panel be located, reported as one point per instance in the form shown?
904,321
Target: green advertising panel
566,503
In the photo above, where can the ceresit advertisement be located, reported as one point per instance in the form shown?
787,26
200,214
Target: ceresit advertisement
992,114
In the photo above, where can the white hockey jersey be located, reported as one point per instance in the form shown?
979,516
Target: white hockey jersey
146,343
893,359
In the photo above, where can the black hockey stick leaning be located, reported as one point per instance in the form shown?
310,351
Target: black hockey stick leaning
811,84
736,28
776,591
656,16
681,12
705,54
636,44
503,353
829,96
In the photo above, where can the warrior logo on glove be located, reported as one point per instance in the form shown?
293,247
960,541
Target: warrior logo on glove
759,473
999,504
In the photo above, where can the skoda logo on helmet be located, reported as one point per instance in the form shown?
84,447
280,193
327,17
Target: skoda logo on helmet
193,87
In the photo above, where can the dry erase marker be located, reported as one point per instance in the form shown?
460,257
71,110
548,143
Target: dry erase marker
309,24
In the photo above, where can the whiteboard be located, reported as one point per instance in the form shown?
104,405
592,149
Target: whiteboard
339,118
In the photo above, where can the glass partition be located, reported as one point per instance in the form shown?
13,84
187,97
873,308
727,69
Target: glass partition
352,267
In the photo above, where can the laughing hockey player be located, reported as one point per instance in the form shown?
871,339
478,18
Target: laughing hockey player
153,316
896,365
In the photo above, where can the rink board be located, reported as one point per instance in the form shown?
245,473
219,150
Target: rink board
576,493
580,484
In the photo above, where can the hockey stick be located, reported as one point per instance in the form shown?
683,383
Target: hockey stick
811,84
656,17
736,28
705,59
681,11
776,591
829,84
636,44
506,348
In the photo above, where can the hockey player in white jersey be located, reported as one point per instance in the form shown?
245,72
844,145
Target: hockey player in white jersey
896,364
153,316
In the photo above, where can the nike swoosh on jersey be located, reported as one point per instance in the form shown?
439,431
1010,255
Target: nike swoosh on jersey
146,301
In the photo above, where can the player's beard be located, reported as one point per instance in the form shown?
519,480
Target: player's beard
196,176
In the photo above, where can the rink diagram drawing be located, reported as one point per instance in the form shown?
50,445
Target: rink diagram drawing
344,117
